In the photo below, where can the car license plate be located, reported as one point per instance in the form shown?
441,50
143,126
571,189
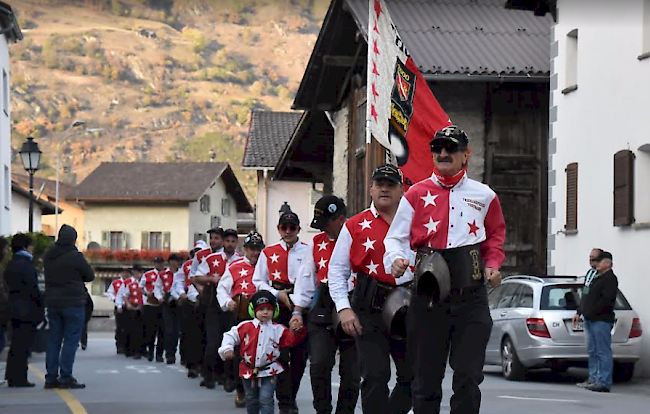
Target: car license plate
578,327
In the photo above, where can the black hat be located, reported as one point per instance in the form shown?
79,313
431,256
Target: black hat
175,257
604,255
158,259
453,134
217,230
388,172
263,297
289,218
230,232
254,239
327,208
137,268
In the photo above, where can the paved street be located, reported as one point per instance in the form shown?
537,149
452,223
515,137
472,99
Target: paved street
117,385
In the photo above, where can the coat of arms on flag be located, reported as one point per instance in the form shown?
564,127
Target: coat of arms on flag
402,112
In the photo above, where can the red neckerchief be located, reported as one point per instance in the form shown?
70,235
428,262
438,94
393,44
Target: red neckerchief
448,181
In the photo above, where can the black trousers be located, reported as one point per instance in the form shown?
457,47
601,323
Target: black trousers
22,338
121,319
294,360
171,314
375,348
193,334
216,323
458,328
323,345
231,367
134,333
153,331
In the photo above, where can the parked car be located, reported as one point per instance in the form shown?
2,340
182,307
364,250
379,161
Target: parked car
533,328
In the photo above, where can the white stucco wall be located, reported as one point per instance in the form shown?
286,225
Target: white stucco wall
5,147
200,222
340,171
20,214
271,195
606,114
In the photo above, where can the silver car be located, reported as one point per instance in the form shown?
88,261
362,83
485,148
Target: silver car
533,328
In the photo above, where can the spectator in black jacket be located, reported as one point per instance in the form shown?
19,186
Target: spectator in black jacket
66,271
25,308
4,297
597,308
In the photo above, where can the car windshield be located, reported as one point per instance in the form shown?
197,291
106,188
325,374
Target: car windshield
567,297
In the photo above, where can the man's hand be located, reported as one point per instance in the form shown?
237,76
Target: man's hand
229,355
283,296
350,322
576,319
493,276
120,310
182,297
296,322
398,267
232,305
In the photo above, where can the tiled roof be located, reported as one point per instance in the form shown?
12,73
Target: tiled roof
49,186
268,135
478,37
157,182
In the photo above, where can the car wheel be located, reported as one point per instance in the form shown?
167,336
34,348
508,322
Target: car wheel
511,367
559,367
623,371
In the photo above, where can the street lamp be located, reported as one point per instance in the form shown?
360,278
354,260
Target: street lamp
30,155
286,208
58,166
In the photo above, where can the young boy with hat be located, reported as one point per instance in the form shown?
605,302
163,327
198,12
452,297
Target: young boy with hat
260,341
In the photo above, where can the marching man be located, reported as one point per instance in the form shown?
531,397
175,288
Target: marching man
120,322
360,249
460,219
170,309
234,292
277,269
131,298
329,218
153,336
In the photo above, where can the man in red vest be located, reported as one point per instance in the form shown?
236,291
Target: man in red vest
276,271
170,308
152,313
451,215
329,217
360,249
120,322
131,298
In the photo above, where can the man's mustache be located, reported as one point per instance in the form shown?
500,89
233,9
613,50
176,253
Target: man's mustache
444,159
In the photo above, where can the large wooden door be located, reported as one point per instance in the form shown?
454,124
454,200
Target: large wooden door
516,168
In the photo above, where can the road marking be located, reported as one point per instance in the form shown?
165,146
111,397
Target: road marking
144,369
107,371
512,397
73,404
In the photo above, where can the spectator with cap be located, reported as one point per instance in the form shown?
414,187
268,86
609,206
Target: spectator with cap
277,270
66,273
597,309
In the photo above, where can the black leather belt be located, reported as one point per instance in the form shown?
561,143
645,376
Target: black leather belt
369,292
465,264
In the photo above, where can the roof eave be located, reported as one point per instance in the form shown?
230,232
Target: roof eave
468,77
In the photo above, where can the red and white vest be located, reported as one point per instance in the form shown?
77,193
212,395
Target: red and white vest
149,279
277,260
135,294
242,278
322,252
167,279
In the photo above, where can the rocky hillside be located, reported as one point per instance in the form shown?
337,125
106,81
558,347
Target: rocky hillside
165,79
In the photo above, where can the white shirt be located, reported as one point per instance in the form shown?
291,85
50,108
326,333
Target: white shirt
298,254
123,293
178,287
224,288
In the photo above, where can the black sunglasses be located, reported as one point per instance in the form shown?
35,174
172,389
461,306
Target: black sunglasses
289,227
449,147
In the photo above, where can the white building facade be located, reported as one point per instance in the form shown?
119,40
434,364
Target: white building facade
9,27
600,92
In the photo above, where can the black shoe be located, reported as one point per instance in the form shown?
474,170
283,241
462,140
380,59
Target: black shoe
230,385
171,361
71,384
150,358
240,400
120,351
84,346
221,381
160,359
51,385
192,373
20,384
137,356
597,388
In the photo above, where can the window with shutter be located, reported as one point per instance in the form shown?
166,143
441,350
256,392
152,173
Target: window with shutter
571,224
144,244
167,240
623,188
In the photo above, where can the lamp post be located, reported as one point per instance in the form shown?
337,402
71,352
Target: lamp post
58,167
30,155
286,208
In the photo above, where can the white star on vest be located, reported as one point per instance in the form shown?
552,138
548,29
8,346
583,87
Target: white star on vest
365,224
429,200
431,226
322,263
274,258
247,358
244,284
215,261
369,244
247,375
243,272
372,267
322,246
247,339
277,275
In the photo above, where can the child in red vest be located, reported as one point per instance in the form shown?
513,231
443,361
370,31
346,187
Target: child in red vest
260,341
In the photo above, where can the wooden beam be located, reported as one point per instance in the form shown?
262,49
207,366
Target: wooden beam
339,61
